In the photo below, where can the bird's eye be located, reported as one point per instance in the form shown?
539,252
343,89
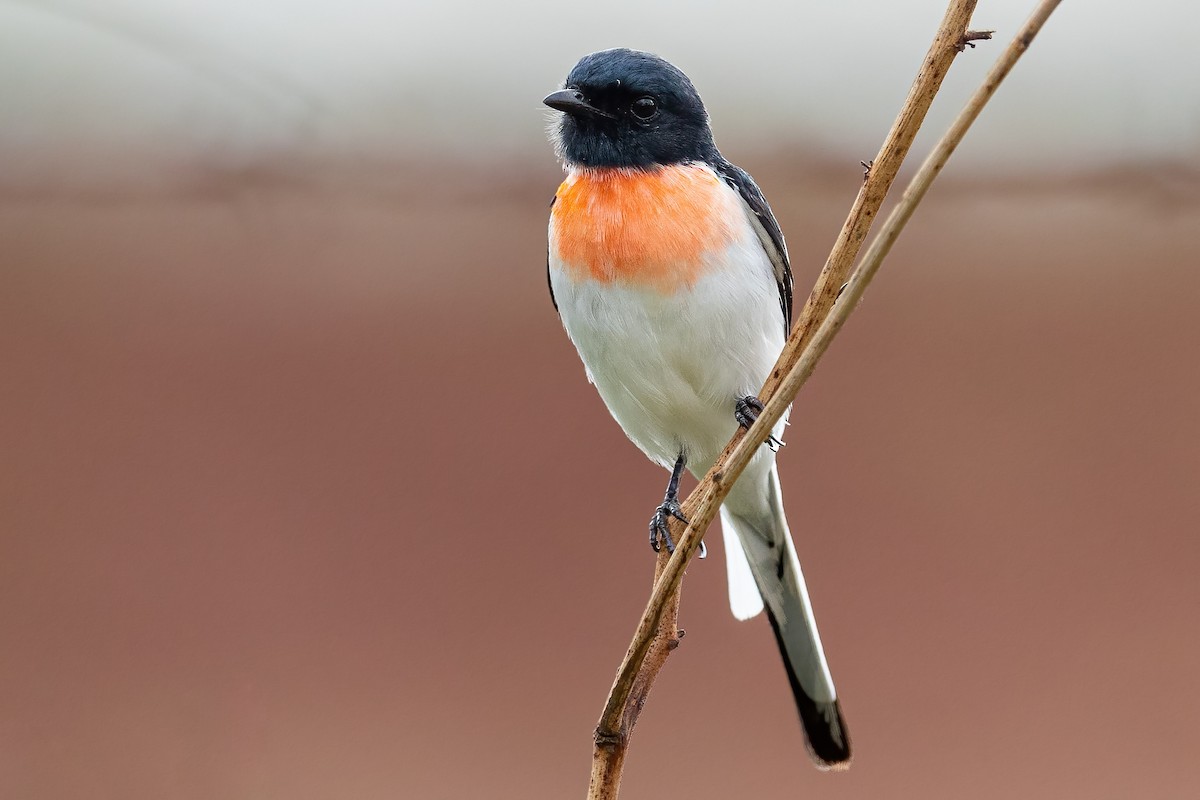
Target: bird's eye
644,108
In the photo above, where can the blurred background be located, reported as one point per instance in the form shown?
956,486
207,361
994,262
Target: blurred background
303,493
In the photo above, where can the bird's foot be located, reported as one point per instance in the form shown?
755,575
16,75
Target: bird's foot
660,524
746,411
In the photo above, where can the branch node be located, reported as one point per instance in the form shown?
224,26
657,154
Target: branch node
969,39
607,740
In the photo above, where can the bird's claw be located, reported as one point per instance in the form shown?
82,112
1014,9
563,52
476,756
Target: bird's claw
660,525
660,529
746,411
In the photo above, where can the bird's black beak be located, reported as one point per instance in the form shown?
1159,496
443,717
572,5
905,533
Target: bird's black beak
572,102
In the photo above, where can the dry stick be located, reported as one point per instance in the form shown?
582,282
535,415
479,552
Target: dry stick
702,504
637,671
951,39
740,452
606,770
881,245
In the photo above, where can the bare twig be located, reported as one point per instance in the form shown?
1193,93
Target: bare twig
971,37
830,303
881,173
606,769
881,245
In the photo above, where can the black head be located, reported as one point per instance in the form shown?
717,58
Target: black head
626,108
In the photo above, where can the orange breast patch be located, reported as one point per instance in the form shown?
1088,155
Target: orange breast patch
645,228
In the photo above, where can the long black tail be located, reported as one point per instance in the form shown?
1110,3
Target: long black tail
824,728
763,533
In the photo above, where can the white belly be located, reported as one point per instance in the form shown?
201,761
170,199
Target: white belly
670,367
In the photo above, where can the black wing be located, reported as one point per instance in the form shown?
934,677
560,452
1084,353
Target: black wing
767,229
548,283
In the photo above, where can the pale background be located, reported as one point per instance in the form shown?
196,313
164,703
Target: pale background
303,493
235,84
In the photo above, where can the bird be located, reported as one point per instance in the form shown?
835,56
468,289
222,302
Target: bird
671,277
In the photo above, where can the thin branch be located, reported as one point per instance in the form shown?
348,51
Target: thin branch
610,748
834,297
881,245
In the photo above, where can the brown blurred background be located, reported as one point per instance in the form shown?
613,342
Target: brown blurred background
303,493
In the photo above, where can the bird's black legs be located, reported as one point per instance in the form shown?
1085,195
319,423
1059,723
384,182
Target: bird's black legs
746,411
660,528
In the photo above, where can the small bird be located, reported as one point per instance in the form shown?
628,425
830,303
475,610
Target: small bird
671,277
